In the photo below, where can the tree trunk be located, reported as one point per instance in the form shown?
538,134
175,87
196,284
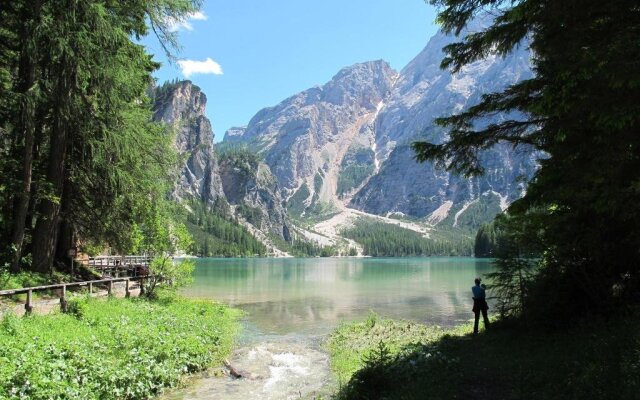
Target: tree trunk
45,235
66,236
25,127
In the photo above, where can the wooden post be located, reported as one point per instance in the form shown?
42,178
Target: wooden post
28,306
63,299
126,289
110,287
90,288
141,287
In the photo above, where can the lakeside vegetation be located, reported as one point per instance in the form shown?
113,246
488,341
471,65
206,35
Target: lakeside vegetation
386,359
113,348
30,279
569,247
82,160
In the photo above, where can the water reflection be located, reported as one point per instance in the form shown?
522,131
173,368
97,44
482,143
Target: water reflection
314,295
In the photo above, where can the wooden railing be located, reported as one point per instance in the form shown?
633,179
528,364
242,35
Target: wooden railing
113,260
116,266
62,287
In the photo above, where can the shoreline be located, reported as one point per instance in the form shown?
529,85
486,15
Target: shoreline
384,358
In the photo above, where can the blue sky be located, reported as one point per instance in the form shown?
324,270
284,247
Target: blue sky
257,53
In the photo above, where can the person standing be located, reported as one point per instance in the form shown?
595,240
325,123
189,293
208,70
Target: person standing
479,305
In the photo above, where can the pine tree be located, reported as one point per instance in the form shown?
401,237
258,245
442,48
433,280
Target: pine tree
77,134
580,111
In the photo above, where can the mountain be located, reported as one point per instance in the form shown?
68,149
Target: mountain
181,105
250,186
242,190
424,92
338,154
345,146
309,138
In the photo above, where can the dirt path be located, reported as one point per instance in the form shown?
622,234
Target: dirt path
52,304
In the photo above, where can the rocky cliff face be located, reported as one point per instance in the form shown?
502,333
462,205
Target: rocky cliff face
424,92
182,106
306,138
249,187
347,143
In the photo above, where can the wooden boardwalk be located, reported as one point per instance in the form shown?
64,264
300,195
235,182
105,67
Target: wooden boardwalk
117,266
120,275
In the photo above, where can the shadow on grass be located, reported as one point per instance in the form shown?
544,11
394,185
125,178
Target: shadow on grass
597,360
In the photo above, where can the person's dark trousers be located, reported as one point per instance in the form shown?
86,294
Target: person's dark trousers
484,318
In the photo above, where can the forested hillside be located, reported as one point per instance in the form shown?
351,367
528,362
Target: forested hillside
385,240
217,234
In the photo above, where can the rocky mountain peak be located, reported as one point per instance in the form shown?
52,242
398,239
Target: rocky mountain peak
180,100
422,93
306,137
182,106
346,143
364,84
237,179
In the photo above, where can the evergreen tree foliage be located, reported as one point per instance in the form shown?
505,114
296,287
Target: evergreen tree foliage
217,234
300,246
487,242
356,167
581,110
386,240
81,159
297,203
239,155
305,248
517,250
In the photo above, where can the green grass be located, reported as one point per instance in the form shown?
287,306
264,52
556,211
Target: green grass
352,344
387,359
115,348
28,279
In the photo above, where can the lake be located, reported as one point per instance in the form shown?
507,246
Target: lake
313,295
292,304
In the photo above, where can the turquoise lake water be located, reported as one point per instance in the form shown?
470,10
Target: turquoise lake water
312,296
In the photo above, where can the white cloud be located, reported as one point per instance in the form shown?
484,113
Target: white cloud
185,23
198,16
191,67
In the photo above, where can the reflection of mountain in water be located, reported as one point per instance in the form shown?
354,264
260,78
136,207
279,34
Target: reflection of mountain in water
315,295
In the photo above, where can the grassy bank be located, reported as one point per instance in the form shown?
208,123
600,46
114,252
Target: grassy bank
385,359
29,279
115,348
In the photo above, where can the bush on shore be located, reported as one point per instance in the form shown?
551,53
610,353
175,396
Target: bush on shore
114,348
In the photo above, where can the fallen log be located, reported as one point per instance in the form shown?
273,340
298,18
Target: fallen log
232,371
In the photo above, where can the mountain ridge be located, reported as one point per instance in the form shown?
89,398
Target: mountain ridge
373,168
339,152
226,185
